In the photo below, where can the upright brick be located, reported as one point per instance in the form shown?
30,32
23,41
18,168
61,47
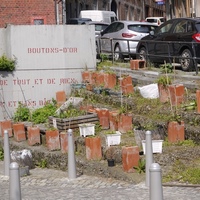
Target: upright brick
33,133
64,142
198,100
130,158
52,140
103,115
6,125
60,97
19,132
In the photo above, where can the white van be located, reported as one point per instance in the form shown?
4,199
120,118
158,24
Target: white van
156,20
99,15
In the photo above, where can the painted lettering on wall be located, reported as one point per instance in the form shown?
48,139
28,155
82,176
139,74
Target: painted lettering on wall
52,50
40,81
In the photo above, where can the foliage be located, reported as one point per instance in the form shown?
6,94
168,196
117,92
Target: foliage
22,113
7,64
141,166
42,163
186,143
167,68
71,111
182,173
41,115
110,153
104,57
1,153
98,128
164,80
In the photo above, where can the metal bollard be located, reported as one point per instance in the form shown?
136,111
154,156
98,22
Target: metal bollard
14,182
149,155
71,156
156,190
6,153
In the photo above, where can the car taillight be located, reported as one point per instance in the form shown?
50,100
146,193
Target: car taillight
128,35
196,37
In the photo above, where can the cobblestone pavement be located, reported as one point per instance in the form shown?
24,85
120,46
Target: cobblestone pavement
50,184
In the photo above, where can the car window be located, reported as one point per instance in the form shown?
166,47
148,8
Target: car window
152,20
111,28
181,27
119,27
164,29
140,28
99,27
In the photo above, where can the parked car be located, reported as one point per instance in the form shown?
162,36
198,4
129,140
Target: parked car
78,21
124,36
176,40
156,20
99,26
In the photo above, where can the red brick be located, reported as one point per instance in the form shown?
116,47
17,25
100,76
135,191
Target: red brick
137,64
64,142
52,140
93,148
103,115
125,123
198,100
130,158
19,132
60,97
113,120
6,125
176,131
176,94
33,135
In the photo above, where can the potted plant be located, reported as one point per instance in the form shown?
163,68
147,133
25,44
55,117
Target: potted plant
110,156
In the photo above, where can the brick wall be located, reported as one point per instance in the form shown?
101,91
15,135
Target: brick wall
24,11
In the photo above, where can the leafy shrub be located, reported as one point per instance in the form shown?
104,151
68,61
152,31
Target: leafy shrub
41,115
7,64
22,113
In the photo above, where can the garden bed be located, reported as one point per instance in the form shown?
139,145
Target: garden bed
73,122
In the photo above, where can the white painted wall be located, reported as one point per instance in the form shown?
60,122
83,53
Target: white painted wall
49,59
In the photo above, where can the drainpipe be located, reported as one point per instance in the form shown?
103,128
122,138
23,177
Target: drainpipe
64,11
57,12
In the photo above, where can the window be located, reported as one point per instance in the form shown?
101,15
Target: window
39,20
181,27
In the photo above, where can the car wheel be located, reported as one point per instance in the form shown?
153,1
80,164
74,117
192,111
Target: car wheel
142,54
117,54
186,62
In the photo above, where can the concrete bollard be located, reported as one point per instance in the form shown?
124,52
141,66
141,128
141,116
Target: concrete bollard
6,153
156,190
14,182
149,155
71,156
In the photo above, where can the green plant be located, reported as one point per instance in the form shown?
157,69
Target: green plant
42,163
164,80
98,128
22,113
141,166
103,57
167,68
41,115
7,64
1,153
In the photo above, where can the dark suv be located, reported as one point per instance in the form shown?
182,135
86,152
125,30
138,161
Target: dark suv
175,40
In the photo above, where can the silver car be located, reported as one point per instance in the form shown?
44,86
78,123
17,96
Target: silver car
121,38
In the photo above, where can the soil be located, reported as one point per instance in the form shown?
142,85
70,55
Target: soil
171,158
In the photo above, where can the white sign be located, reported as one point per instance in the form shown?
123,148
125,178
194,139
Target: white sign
49,59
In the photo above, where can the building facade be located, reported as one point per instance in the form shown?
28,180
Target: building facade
21,12
124,9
